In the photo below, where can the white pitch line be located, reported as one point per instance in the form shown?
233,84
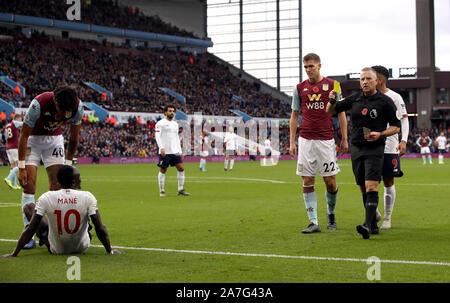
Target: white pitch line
263,255
7,204
201,179
232,179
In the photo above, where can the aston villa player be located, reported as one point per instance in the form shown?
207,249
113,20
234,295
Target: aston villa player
41,138
316,145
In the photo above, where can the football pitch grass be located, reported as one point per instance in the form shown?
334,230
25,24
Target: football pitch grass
242,226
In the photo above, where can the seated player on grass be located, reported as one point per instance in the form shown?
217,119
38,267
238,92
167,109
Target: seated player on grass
68,211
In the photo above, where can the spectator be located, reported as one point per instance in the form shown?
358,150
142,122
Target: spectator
208,86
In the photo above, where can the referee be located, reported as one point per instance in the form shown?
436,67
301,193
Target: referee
370,112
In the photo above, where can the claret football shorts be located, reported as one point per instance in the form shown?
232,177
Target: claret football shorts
317,156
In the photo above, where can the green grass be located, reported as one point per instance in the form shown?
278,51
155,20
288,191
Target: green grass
242,211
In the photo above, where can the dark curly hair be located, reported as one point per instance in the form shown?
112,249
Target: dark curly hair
66,97
65,176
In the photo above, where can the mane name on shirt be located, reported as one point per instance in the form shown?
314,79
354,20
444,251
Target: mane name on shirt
67,200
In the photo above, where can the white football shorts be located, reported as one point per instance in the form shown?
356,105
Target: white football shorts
204,153
49,148
425,150
230,152
317,156
13,155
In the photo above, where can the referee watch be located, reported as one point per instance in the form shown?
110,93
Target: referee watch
332,101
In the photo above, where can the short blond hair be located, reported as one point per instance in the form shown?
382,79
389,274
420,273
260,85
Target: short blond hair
311,56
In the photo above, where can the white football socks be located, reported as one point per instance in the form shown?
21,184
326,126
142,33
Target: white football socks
180,177
389,200
161,180
310,199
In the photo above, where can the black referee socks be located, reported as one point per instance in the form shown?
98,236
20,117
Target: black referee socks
371,207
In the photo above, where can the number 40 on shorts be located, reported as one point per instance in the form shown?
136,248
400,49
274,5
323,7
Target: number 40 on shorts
58,152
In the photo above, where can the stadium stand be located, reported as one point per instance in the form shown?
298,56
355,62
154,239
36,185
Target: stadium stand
133,76
134,79
101,12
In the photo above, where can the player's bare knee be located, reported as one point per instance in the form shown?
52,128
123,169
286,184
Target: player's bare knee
308,181
388,181
28,210
371,186
330,183
29,188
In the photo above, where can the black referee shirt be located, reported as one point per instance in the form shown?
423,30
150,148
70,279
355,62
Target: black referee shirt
373,112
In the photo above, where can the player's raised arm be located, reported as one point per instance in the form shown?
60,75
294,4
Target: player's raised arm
26,235
102,233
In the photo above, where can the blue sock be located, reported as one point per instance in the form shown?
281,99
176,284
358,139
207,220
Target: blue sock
202,164
13,175
429,158
26,198
424,159
331,201
311,206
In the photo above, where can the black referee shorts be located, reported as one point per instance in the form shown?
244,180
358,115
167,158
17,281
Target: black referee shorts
167,160
367,163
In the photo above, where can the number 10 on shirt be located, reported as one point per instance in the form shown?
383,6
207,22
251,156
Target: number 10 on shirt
66,221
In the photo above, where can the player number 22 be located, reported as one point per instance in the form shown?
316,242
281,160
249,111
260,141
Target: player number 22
66,221
329,167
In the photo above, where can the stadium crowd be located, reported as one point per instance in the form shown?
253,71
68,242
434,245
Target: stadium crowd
133,76
99,12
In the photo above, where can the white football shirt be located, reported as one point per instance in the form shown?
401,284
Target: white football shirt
392,141
204,143
267,144
230,141
166,135
442,142
68,212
